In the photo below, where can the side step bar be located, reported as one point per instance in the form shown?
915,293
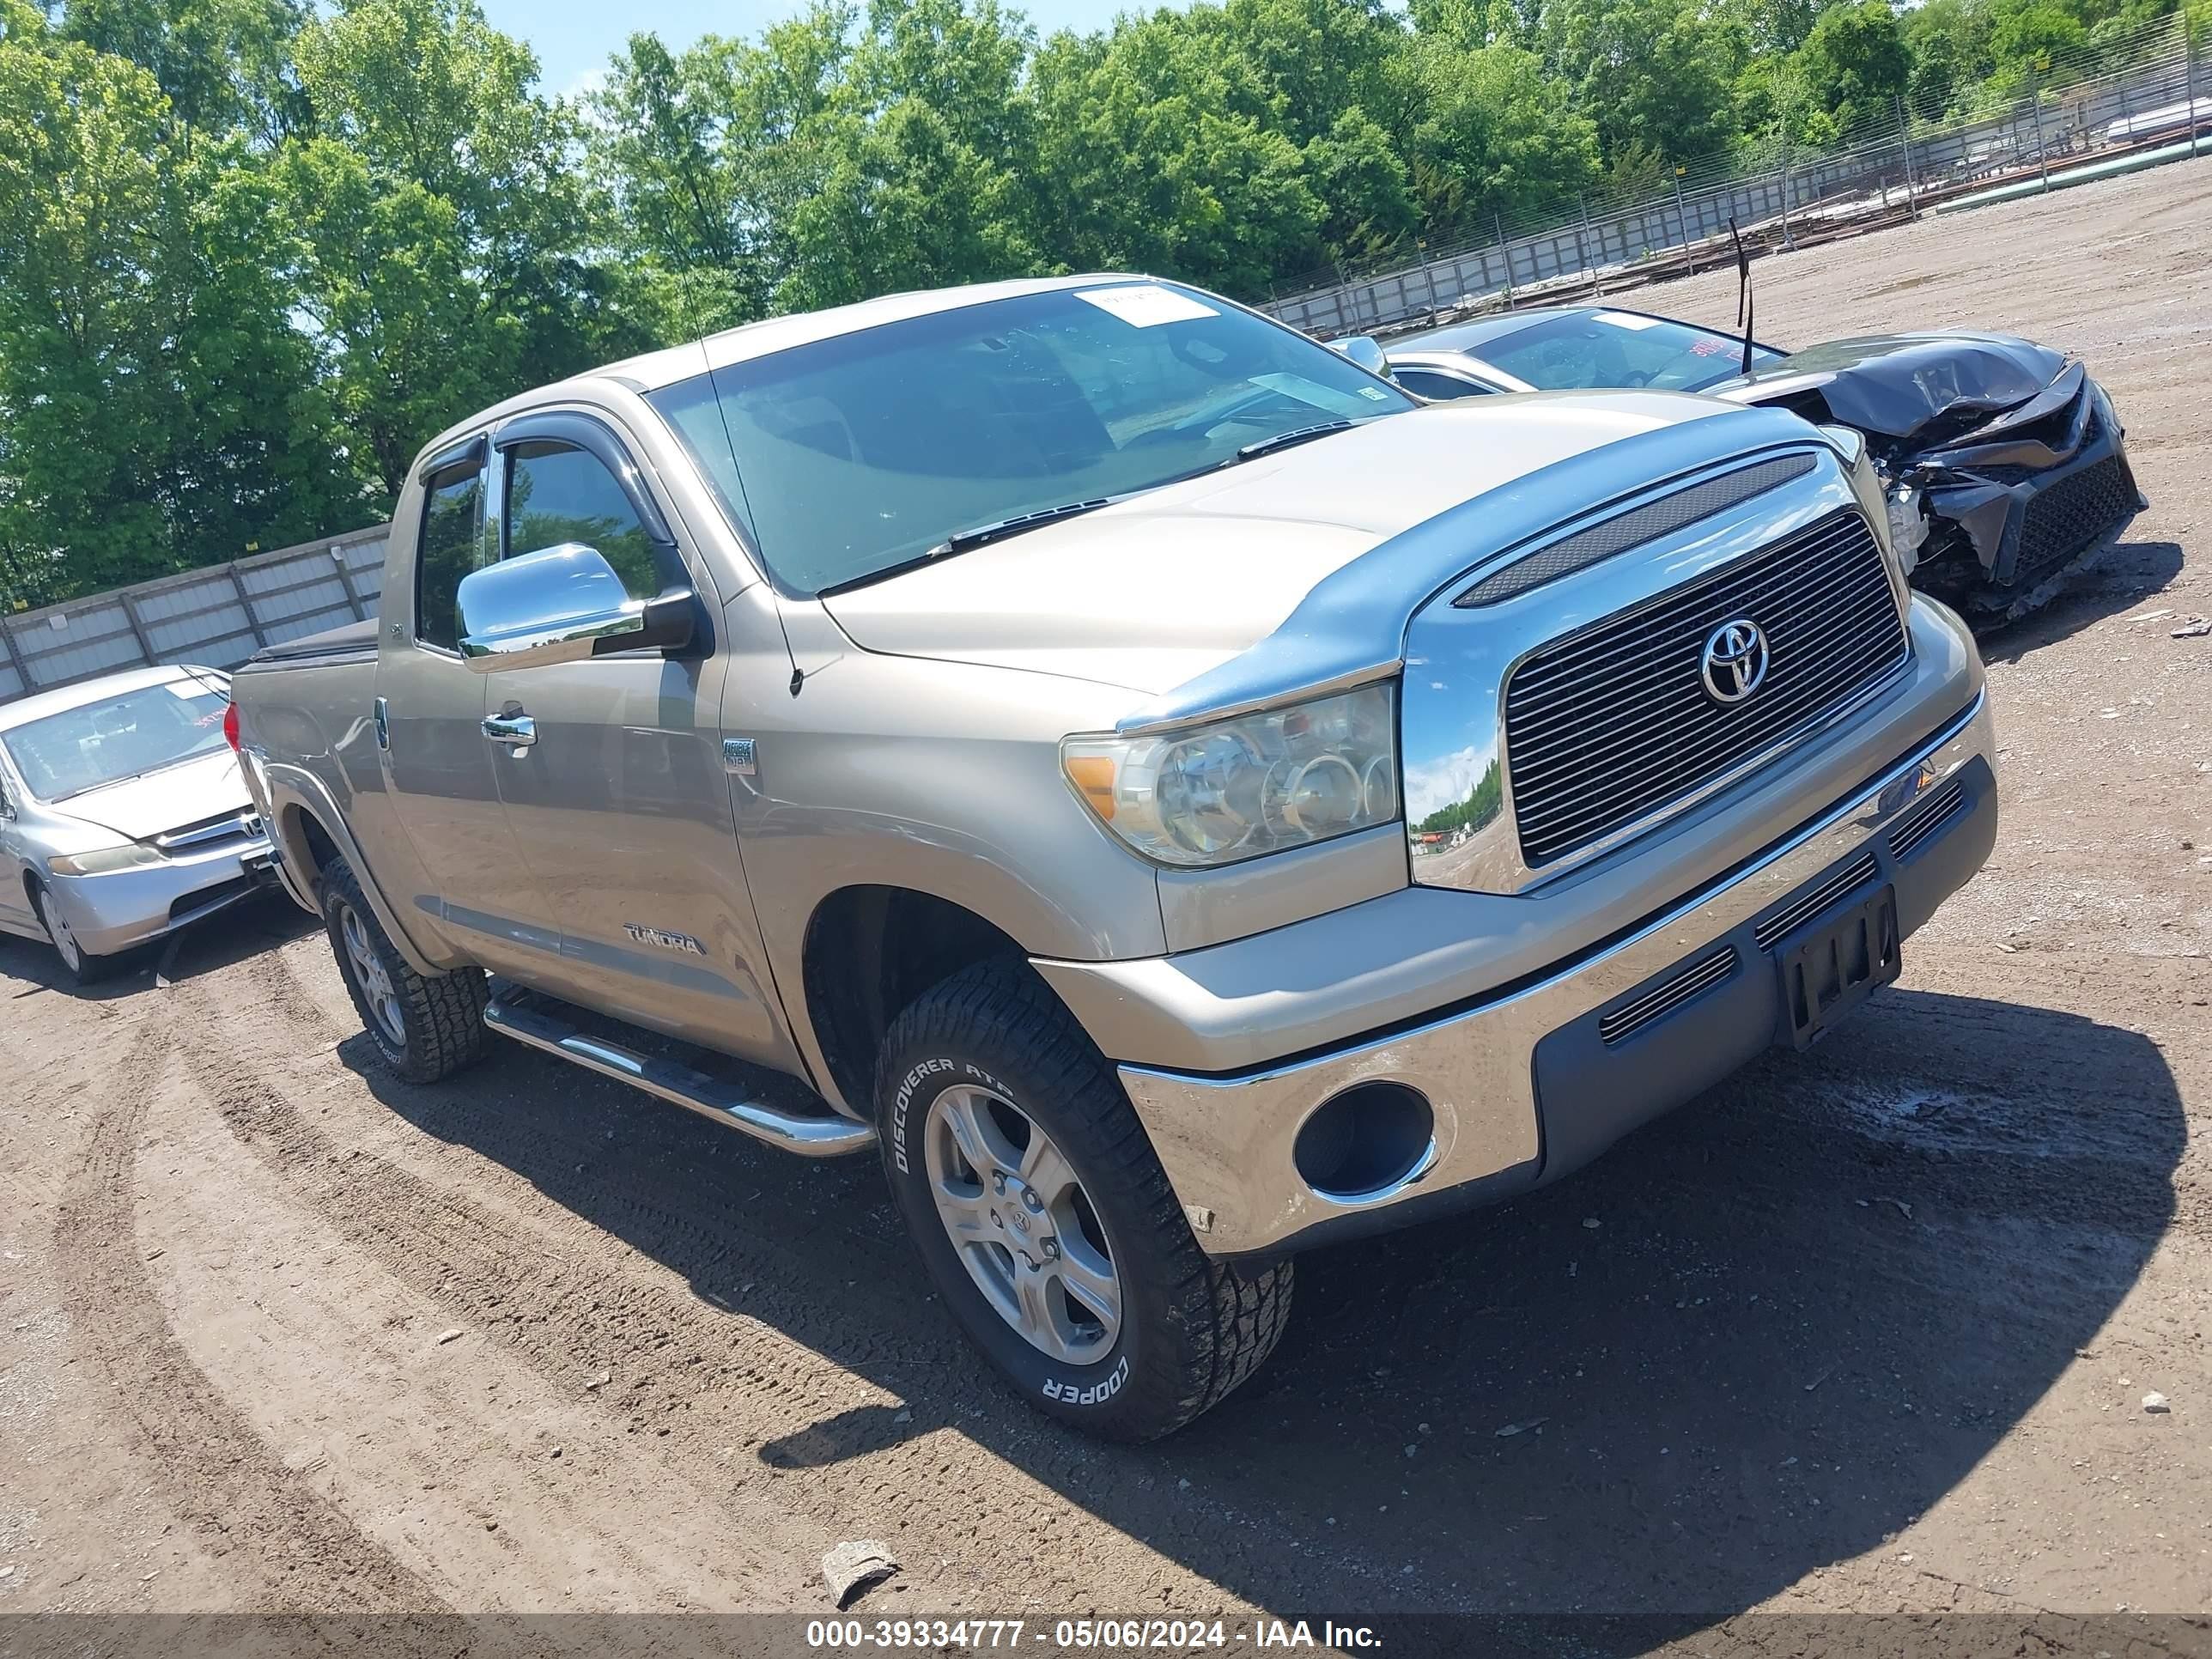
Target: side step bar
809,1137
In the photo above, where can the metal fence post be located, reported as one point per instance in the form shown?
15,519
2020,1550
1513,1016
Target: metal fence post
246,603
16,657
2035,108
1596,275
346,580
1497,223
2189,74
137,625
1788,241
1682,224
1904,135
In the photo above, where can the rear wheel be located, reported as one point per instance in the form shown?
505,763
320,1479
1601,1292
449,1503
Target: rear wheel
425,1026
82,965
1046,1221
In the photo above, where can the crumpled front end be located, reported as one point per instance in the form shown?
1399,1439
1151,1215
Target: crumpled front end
2021,501
2005,466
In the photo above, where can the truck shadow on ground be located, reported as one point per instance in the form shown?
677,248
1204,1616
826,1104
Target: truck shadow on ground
1760,1338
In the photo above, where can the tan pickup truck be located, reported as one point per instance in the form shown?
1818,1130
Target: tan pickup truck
1177,796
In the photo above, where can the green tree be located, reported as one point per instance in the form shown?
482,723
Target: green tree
916,169
1654,73
1154,153
157,407
1491,138
1367,201
444,255
701,158
1854,62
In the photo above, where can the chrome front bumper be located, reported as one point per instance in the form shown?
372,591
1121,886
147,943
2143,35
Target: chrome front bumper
1226,1141
113,912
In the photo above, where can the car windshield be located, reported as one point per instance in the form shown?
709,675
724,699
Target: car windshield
120,737
854,455
1608,349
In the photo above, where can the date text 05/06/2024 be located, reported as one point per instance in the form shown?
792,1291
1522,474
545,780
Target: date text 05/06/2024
1086,1635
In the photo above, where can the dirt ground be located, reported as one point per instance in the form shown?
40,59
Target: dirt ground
1862,1333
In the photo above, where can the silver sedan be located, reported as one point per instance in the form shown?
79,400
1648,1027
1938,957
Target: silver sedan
123,816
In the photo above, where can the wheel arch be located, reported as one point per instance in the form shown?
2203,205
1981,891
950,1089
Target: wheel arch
871,949
308,831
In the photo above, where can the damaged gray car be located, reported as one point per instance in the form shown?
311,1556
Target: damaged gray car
2004,464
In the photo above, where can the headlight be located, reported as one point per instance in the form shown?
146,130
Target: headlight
1236,789
102,861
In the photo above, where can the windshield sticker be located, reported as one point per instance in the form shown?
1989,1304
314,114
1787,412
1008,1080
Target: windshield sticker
1625,319
1145,305
1320,396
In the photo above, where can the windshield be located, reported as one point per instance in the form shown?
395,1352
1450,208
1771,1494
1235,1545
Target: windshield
1609,348
119,736
858,454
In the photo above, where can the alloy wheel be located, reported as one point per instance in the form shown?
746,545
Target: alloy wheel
369,973
1022,1223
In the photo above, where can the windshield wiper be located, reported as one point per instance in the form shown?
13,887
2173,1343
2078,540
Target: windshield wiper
1297,434
960,540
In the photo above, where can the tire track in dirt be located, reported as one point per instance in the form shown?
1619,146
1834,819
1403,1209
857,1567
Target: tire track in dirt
810,1433
213,1470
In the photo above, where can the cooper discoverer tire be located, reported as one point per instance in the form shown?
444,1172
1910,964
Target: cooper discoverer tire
425,1026
1045,1220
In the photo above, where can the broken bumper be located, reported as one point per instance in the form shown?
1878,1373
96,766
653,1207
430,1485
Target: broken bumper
2030,503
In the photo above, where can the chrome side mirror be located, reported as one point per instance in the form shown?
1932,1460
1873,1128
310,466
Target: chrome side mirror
562,604
1364,350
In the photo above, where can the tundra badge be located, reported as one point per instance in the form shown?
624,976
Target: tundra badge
666,941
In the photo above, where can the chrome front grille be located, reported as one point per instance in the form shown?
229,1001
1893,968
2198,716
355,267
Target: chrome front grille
1609,725
210,834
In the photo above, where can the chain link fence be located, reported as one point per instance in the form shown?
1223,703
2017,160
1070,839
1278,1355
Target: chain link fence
2073,112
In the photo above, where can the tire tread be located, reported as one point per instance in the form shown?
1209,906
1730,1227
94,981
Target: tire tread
1231,1313
444,1012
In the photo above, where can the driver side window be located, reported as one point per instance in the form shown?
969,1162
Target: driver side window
557,493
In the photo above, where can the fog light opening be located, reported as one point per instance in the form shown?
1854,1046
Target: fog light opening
1362,1144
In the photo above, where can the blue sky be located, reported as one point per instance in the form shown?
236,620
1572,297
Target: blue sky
573,39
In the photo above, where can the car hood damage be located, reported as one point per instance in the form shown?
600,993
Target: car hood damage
2003,462
1903,386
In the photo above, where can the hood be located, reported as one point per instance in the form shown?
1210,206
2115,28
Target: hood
138,809
1893,385
1154,591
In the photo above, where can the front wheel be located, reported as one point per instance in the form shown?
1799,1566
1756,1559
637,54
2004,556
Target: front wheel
426,1026
83,967
1046,1221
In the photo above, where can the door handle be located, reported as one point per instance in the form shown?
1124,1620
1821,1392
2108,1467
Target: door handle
519,730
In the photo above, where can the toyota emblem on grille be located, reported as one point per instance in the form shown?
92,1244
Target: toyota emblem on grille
1736,661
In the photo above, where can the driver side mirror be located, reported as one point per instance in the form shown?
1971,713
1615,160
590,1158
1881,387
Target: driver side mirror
562,604
1364,350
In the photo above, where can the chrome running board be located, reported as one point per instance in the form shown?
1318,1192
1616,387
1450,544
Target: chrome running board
825,1136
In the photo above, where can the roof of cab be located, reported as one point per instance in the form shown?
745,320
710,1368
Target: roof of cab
1480,330
78,693
652,370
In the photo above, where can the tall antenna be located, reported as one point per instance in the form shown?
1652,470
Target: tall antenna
1743,307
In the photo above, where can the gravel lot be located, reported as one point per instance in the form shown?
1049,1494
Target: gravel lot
1864,1333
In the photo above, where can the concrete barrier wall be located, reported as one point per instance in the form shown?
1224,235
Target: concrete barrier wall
215,617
